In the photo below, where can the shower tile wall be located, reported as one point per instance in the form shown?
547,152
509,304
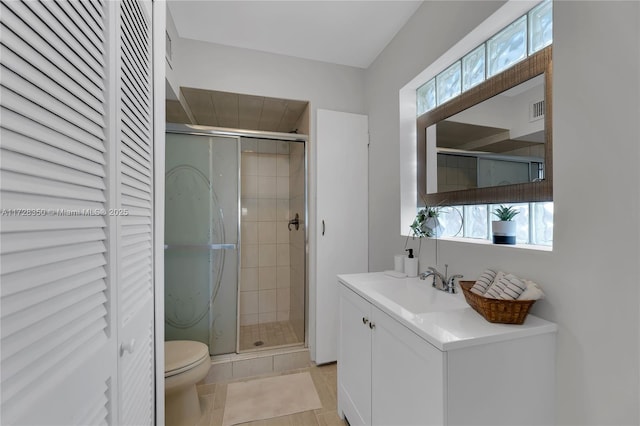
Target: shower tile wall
265,268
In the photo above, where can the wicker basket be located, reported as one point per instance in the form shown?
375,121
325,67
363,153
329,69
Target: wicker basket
496,310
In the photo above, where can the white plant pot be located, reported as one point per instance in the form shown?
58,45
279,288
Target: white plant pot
504,232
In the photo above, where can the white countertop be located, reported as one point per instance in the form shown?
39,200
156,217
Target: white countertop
444,320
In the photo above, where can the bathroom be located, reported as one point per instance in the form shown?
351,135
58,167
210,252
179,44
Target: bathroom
379,99
590,275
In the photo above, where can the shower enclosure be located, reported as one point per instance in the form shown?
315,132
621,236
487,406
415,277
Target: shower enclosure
235,238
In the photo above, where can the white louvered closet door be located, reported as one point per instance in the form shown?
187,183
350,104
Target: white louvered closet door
135,255
76,289
55,299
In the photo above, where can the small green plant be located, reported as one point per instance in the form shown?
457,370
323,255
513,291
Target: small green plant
418,227
505,213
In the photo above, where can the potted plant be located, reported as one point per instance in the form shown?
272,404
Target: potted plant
426,223
504,229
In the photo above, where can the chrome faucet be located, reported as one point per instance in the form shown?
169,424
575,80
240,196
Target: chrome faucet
441,282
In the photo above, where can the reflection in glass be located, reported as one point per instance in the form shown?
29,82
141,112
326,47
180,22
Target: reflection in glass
426,97
540,26
473,68
448,83
508,46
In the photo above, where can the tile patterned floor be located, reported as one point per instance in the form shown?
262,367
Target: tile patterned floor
271,334
324,377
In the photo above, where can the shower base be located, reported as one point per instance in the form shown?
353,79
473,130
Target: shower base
267,335
256,363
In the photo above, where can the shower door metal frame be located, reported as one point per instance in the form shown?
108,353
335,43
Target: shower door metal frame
198,130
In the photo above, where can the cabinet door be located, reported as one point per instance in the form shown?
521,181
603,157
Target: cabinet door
354,358
341,221
407,376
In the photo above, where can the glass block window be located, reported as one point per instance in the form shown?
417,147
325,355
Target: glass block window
534,223
507,47
526,35
475,221
426,97
473,66
540,26
448,83
542,224
451,219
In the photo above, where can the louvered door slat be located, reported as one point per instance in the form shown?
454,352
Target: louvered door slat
16,51
134,46
14,262
91,313
14,162
32,111
68,15
23,38
14,242
137,30
18,182
71,33
50,61
137,176
88,338
54,299
135,160
52,39
58,94
22,144
26,89
93,11
134,97
29,298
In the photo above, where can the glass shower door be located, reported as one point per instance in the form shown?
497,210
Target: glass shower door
201,240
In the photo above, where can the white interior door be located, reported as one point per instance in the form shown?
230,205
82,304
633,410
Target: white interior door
342,217
76,290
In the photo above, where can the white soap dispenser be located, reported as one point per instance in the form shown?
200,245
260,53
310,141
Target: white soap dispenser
411,265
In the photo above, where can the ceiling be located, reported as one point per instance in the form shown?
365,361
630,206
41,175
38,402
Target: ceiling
349,33
342,32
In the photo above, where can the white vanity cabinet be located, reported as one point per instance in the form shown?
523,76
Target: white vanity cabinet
390,374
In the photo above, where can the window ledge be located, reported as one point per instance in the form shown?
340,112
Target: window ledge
484,242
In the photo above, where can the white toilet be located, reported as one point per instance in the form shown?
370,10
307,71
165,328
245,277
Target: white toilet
185,364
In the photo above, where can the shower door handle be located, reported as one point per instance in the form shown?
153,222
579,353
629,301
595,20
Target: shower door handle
295,221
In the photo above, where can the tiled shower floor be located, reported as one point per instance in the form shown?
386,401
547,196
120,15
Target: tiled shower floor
271,334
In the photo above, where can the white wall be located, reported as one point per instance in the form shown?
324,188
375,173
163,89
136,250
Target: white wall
592,276
326,86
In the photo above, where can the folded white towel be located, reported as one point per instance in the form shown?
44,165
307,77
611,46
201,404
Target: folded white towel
513,287
532,292
483,283
496,287
395,274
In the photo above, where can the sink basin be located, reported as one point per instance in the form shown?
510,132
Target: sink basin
415,295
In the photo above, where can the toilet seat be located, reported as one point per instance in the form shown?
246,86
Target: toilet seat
183,355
